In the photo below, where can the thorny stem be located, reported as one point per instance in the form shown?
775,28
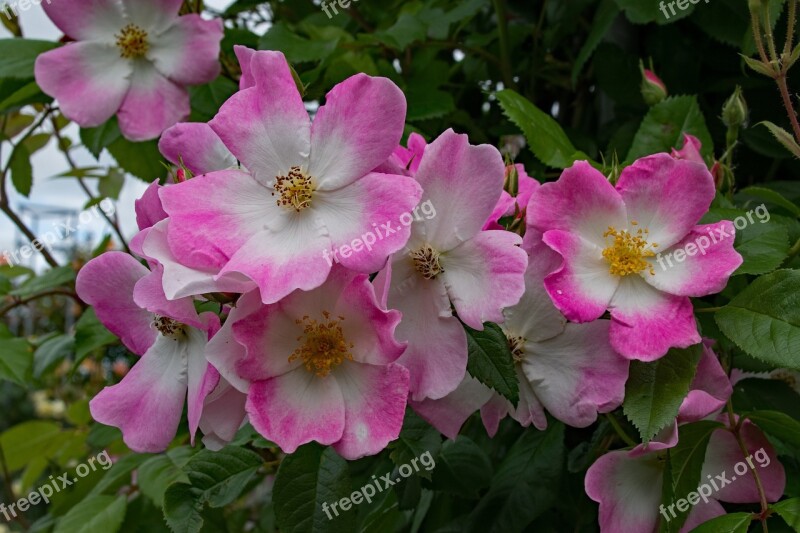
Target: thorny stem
787,103
736,429
787,49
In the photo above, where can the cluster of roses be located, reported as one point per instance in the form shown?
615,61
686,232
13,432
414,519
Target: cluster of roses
309,351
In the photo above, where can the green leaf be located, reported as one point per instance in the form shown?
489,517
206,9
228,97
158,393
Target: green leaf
97,139
606,15
29,440
17,56
98,513
141,159
15,94
207,99
783,137
90,334
52,352
526,482
306,480
490,360
764,319
406,30
789,511
684,467
779,425
157,473
21,170
118,475
654,391
545,136
427,103
16,360
216,479
728,523
462,468
110,185
416,438
296,49
51,279
772,196
666,123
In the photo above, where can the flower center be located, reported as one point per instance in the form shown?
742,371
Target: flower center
426,261
628,252
169,327
295,190
323,345
517,347
132,42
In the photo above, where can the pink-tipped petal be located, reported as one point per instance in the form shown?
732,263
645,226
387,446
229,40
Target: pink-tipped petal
374,407
147,404
223,415
667,196
245,56
707,260
582,288
297,408
88,79
87,20
449,413
484,275
107,283
369,219
196,146
188,51
152,15
709,391
581,202
646,323
463,184
691,150
149,210
152,104
266,126
356,130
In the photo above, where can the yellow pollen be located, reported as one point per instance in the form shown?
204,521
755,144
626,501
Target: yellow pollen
323,345
295,190
169,327
517,347
426,261
628,252
132,42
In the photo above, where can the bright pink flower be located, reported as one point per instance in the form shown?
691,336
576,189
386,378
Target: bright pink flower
509,205
223,415
133,58
635,250
449,260
569,370
308,190
320,366
171,338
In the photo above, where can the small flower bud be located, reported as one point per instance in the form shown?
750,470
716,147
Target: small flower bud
653,89
734,112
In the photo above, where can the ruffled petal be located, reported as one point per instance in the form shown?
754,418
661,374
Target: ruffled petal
195,145
87,20
188,51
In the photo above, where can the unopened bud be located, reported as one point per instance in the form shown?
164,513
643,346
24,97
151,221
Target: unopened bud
734,112
653,89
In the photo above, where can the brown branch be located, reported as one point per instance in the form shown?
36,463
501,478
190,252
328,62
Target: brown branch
55,292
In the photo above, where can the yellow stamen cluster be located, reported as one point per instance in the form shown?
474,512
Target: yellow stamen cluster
169,327
132,42
294,190
629,252
323,345
426,261
517,347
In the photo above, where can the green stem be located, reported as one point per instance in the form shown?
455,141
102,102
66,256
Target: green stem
621,432
505,51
